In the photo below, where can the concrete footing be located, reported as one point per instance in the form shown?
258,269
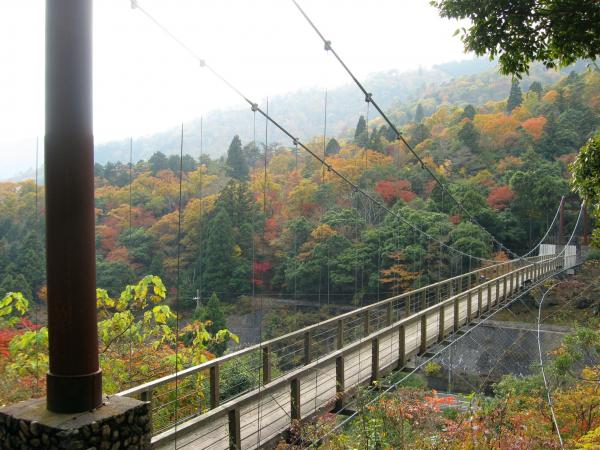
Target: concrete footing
121,423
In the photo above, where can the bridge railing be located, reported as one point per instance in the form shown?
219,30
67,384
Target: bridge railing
196,390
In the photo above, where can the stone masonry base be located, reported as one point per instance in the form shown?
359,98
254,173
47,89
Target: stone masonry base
119,424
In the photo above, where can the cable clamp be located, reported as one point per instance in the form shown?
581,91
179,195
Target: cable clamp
134,4
368,97
254,107
327,45
202,63
329,168
295,141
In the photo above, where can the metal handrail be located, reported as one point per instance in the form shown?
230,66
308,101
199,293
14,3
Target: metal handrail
238,402
146,387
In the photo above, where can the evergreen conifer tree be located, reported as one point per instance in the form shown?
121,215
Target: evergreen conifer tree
536,87
375,140
419,114
419,134
218,261
157,162
360,134
515,97
469,112
237,167
469,135
332,148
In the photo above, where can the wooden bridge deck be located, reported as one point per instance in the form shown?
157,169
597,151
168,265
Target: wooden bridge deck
391,334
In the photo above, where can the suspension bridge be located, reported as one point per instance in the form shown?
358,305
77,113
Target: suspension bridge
317,368
312,369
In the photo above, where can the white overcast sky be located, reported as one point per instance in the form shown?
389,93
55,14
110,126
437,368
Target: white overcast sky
143,82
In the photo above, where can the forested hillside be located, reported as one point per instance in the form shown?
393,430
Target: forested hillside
466,82
295,229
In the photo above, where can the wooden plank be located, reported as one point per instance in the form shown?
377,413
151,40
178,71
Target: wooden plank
266,360
214,386
307,348
340,382
340,334
441,324
295,398
235,438
469,306
374,360
389,313
401,346
146,396
423,346
456,313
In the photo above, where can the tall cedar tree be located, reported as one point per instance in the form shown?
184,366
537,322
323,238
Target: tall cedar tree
515,97
469,112
333,147
237,167
157,162
419,114
469,135
236,200
219,260
419,134
360,134
536,87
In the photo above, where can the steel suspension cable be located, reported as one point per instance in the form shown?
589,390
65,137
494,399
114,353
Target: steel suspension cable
319,439
296,141
179,216
37,226
129,233
369,99
539,343
201,223
547,231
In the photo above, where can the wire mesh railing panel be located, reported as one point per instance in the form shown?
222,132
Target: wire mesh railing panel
179,400
353,329
289,354
398,308
323,340
239,376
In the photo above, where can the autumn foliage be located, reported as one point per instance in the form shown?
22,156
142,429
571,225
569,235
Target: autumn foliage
500,197
535,126
392,190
